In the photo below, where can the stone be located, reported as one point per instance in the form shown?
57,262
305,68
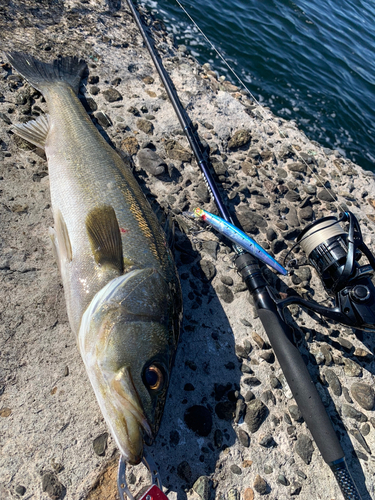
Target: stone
251,381
175,151
306,213
244,438
103,119
112,95
52,486
202,487
198,418
259,341
267,441
151,162
361,440
297,167
184,472
202,193
304,448
235,469
281,479
260,485
350,412
333,382
295,489
100,444
295,413
225,410
20,490
240,410
225,293
292,196
248,494
256,413
250,221
239,139
130,145
351,368
226,280
145,126
364,395
327,195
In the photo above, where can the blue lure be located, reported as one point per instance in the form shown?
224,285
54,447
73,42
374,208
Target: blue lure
237,236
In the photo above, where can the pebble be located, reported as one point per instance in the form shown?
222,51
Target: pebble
209,272
202,487
268,469
150,161
295,413
292,196
350,412
175,151
243,438
333,382
227,280
184,472
249,396
145,126
275,382
20,490
211,248
225,293
100,444
103,119
346,394
240,410
235,469
304,448
112,95
198,418
295,489
361,440
282,480
327,195
233,494
364,395
225,410
260,485
256,413
351,368
52,486
251,381
239,139
268,356
267,441
262,344
268,396
248,494
365,429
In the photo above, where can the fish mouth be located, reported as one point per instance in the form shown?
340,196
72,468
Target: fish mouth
129,427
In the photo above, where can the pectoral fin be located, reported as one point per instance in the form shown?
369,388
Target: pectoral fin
105,237
63,246
34,131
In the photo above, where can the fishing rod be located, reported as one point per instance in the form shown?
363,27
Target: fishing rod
269,308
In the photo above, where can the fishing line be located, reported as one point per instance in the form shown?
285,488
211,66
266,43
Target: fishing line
267,116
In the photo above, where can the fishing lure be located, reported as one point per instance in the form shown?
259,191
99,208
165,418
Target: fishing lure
238,237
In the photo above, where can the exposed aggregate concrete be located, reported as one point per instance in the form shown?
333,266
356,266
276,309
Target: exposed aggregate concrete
230,429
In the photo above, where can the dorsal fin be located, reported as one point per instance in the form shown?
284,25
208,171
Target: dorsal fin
105,237
34,131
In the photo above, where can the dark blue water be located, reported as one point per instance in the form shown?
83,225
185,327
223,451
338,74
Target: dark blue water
311,61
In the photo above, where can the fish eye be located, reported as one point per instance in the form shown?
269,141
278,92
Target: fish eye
153,378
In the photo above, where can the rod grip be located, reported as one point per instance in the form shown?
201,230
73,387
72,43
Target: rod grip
301,385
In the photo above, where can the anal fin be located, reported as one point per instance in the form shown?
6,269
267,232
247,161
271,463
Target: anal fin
105,237
34,131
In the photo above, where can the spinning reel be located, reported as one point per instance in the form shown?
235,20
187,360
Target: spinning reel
335,255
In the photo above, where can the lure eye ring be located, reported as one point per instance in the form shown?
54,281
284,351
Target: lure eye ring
154,377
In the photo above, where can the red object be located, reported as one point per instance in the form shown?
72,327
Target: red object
154,493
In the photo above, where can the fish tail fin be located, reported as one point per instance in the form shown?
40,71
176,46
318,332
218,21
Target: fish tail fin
39,74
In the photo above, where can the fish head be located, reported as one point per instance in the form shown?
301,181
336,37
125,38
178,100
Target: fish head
127,339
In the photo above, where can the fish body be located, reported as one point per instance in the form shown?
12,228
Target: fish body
239,237
121,286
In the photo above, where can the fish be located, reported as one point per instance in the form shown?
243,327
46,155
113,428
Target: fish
237,236
121,285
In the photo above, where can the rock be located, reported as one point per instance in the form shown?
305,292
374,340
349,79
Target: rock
202,487
244,438
295,413
148,80
260,485
52,486
271,234
295,489
304,448
365,429
346,394
198,419
267,441
225,410
239,139
240,410
145,126
130,145
233,494
351,368
256,413
259,341
361,440
250,221
235,469
202,193
282,480
333,382
210,247
20,490
112,95
151,162
306,213
292,196
297,167
363,394
103,119
226,280
268,356
225,293
251,381
350,412
268,469
100,444
248,494
175,151
327,195
292,217
184,472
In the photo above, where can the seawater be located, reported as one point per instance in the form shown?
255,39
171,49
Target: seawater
310,61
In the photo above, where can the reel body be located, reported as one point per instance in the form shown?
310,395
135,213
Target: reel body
335,255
